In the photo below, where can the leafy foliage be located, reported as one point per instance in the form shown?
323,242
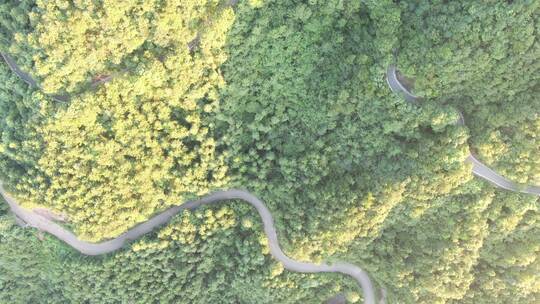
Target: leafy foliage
288,100
443,255
206,256
22,112
29,272
481,56
99,37
15,25
146,136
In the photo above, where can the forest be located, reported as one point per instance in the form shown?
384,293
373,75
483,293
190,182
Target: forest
171,100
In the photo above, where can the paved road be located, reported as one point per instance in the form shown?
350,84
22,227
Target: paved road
27,78
37,221
15,69
479,169
396,86
32,219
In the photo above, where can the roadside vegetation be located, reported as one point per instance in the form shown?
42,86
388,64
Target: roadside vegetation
481,57
288,100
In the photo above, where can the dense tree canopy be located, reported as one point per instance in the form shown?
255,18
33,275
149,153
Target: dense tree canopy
481,56
15,26
171,100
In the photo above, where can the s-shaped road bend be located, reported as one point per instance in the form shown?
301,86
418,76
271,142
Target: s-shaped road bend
37,221
479,169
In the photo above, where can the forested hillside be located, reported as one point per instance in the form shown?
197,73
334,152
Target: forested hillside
171,100
482,57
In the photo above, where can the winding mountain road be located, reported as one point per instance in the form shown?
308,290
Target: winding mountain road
29,218
27,78
37,221
479,169
15,69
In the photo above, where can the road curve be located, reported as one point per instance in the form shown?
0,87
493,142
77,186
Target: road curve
396,86
479,169
37,221
27,78
15,69
32,219
483,171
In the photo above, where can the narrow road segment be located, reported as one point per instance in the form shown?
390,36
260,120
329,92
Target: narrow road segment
479,169
35,220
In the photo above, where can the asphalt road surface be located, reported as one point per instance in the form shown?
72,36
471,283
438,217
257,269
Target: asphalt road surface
479,169
27,78
35,220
